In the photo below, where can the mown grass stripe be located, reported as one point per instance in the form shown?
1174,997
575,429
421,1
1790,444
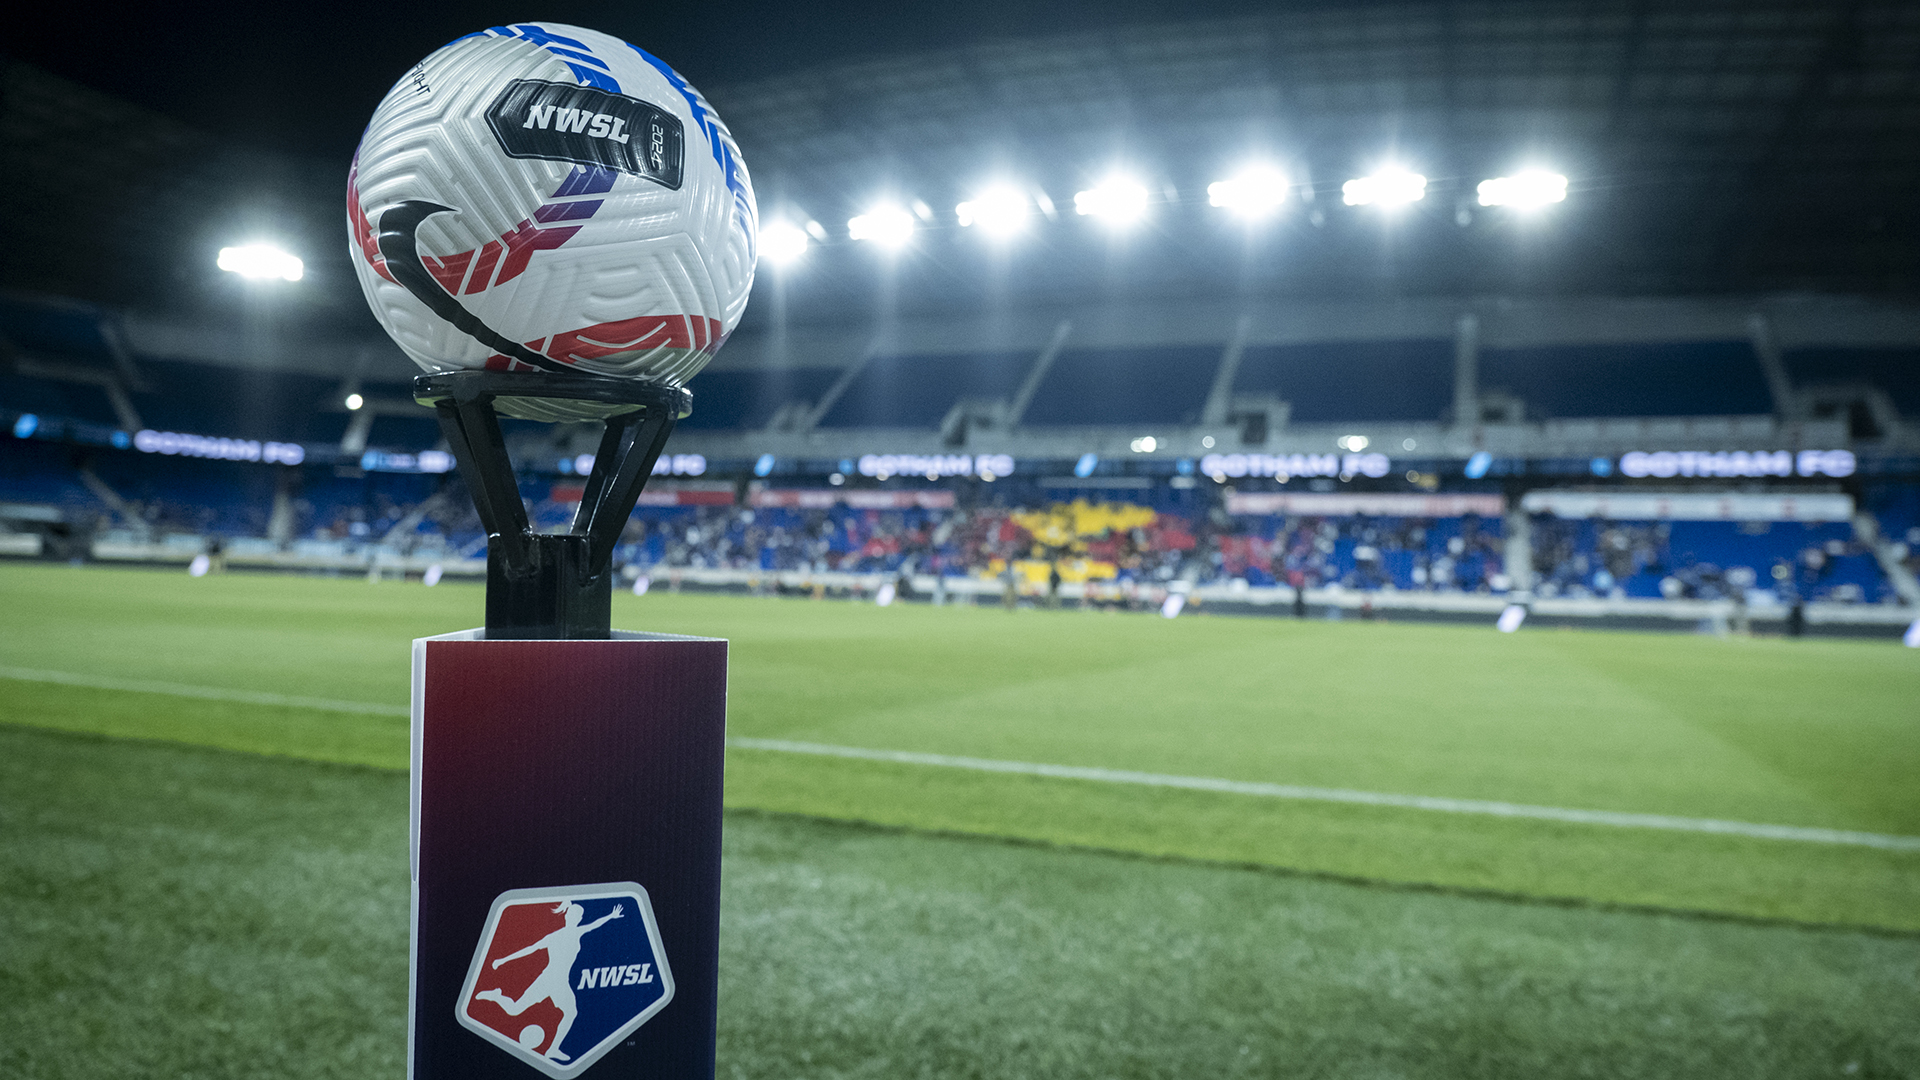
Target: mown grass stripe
209,693
1611,818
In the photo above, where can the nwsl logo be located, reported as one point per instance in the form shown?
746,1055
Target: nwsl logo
561,122
561,976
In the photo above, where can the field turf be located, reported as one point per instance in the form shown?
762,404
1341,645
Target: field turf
187,910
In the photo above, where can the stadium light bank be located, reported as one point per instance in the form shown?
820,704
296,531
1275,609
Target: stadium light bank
1524,190
1000,212
261,262
1386,188
783,244
1118,201
1253,193
888,226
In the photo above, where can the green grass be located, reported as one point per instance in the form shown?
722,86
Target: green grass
1813,733
174,911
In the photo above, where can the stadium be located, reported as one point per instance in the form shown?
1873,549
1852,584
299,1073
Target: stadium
1321,540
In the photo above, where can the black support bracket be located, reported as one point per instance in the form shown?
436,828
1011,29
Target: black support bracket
543,585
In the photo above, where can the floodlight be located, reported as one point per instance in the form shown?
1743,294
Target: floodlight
1524,190
1389,187
261,262
354,402
888,226
1117,200
782,243
998,211
1146,444
1354,443
1253,193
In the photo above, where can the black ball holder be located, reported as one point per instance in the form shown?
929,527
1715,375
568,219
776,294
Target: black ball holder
546,585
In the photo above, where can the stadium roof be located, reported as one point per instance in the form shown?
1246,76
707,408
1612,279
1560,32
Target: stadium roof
1712,148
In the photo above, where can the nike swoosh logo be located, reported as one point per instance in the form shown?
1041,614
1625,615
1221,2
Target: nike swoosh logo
402,252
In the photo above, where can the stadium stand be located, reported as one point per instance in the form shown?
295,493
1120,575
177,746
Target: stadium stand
1720,378
1372,380
333,509
1363,553
919,391
1124,386
279,405
733,399
1769,562
1101,374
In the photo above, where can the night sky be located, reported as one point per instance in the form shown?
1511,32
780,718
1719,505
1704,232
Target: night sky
303,77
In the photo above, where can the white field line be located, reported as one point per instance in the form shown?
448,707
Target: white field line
1341,795
208,693
1069,772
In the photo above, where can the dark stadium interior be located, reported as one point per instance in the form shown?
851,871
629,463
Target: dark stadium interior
1671,408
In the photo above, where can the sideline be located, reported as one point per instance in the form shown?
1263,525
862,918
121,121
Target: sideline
1611,818
207,693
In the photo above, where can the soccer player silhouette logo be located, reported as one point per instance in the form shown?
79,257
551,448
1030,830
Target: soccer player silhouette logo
562,976
554,983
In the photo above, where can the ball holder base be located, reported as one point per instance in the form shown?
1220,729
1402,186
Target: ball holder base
566,792
543,585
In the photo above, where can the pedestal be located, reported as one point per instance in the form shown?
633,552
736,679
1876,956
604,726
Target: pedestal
565,856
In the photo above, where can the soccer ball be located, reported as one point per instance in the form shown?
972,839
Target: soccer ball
543,197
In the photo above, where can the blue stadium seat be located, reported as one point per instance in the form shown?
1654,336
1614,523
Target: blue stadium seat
241,403
1715,378
747,399
918,391
44,397
55,332
1897,371
1334,381
1125,386
1821,559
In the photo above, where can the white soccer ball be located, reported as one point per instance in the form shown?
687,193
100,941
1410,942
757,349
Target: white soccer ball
543,197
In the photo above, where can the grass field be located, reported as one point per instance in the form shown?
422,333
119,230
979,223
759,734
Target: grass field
188,910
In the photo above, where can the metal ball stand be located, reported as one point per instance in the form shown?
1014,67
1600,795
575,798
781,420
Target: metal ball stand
546,585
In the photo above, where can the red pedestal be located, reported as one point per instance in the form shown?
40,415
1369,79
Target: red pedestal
566,856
